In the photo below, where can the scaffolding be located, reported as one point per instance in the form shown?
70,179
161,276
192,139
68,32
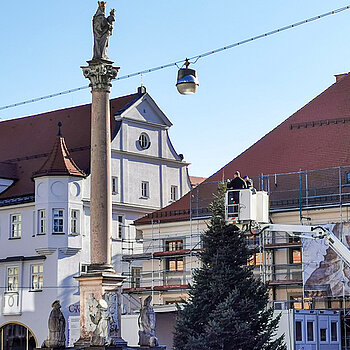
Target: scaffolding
296,192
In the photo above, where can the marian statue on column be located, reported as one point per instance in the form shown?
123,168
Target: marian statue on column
102,28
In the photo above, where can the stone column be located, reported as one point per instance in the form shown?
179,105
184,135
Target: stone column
101,283
100,73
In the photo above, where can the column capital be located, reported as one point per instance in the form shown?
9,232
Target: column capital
100,73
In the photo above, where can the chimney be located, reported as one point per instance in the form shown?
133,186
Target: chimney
141,90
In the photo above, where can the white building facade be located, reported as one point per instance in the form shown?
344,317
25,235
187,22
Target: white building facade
44,225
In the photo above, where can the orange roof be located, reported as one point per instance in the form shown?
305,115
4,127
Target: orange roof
59,162
315,137
196,180
25,143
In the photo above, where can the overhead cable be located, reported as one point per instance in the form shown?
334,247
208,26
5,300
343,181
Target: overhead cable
194,58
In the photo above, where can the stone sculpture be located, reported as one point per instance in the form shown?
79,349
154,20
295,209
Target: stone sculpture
57,326
103,317
112,301
147,324
102,29
100,335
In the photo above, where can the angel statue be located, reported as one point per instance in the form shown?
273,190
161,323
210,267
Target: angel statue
103,315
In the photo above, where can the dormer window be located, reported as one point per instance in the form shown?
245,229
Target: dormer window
144,141
5,184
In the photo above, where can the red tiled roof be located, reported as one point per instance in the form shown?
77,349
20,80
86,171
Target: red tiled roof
59,162
26,142
196,180
316,136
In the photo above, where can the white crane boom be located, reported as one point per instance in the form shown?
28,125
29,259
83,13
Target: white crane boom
313,232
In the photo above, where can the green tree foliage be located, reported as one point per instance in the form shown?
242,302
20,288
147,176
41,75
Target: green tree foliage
226,308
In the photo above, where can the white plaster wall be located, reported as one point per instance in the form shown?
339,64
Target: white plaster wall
286,327
145,171
172,177
35,306
129,328
132,137
19,246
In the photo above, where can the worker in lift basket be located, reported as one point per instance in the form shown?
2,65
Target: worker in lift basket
248,181
237,183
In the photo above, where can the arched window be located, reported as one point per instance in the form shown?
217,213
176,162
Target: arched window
15,336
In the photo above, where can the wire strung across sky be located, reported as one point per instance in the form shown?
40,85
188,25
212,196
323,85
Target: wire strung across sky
194,58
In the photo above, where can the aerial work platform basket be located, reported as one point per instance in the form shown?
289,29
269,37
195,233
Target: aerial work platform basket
242,206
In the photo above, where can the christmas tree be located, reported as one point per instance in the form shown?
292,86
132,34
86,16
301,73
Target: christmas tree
227,304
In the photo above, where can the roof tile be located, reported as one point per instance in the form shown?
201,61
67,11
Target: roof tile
321,141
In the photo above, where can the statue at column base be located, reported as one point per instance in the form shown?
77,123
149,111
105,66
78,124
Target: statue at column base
147,324
57,324
103,320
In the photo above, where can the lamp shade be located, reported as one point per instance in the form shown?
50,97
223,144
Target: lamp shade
187,82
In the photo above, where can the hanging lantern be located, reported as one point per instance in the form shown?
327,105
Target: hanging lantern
187,81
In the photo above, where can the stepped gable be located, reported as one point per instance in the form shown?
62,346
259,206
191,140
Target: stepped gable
25,143
315,137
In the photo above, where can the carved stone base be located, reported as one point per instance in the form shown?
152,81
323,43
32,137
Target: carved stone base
95,284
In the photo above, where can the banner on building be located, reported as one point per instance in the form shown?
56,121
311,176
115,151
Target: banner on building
324,274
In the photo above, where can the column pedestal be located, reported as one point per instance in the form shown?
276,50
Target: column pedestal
94,287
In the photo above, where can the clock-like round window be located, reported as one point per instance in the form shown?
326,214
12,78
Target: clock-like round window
144,141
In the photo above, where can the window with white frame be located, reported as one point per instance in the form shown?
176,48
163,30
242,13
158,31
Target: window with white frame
41,221
12,278
173,193
16,226
145,189
74,222
114,185
58,221
37,277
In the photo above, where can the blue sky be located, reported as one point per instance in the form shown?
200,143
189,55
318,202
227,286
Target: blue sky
244,92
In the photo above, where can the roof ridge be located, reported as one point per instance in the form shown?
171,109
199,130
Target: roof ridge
47,113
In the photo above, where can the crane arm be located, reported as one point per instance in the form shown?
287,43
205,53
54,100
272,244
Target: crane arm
314,232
